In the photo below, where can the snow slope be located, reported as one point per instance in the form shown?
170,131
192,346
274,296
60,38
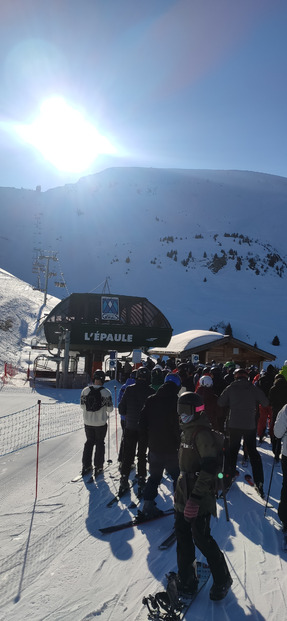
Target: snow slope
205,246
22,311
55,564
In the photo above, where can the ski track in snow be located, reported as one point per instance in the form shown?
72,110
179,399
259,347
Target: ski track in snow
60,568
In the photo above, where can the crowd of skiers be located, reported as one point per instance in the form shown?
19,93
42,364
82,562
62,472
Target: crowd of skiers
167,412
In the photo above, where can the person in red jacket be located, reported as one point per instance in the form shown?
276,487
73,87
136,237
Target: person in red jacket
212,409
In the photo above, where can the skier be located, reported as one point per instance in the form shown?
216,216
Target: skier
158,426
280,431
186,377
265,382
242,399
131,380
277,397
157,377
130,407
195,500
212,410
95,425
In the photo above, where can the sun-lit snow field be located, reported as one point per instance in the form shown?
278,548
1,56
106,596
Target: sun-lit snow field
55,564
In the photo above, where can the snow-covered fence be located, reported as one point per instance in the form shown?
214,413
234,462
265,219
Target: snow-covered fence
20,429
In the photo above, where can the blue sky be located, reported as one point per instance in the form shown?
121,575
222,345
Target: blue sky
170,83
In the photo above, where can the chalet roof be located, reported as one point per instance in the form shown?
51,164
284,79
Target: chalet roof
195,341
192,339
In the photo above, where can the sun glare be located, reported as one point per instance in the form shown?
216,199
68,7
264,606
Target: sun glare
64,137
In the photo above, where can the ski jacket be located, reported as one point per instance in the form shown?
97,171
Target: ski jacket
265,382
100,417
159,424
242,399
133,401
211,407
198,466
278,394
280,428
129,382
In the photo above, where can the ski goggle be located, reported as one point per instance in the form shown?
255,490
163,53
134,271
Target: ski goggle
187,418
199,408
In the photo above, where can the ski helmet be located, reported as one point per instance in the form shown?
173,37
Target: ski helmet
206,381
229,365
99,375
240,373
173,377
189,406
143,373
157,375
182,368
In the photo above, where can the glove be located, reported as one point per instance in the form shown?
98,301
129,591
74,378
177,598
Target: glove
191,509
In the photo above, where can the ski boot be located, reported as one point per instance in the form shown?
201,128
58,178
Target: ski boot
150,509
124,484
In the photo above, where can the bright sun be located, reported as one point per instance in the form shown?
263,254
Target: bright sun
64,137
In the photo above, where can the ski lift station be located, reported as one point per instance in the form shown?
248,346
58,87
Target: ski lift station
90,325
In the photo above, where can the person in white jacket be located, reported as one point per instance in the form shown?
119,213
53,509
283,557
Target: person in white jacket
96,424
280,431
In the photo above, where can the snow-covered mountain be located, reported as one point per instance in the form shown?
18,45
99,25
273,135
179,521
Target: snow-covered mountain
22,312
206,247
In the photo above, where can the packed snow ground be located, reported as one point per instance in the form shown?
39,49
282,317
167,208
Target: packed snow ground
56,565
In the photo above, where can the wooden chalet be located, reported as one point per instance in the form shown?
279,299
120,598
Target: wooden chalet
204,347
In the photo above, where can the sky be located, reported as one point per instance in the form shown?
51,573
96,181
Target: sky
169,84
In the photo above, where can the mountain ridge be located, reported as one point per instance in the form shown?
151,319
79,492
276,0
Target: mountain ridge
204,246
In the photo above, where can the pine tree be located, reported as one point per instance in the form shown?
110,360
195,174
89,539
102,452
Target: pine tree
276,341
228,330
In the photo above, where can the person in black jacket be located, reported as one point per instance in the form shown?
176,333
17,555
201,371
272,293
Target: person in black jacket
277,398
130,408
265,382
159,429
242,399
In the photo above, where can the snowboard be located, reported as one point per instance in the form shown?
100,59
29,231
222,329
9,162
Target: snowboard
168,605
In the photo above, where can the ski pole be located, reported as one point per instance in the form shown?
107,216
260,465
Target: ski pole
222,479
269,488
116,410
110,461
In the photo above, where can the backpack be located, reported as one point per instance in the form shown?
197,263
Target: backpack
219,439
93,400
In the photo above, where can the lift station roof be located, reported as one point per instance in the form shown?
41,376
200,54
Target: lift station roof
104,322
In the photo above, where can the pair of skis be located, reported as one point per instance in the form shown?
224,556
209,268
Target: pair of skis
137,520
249,480
169,605
117,497
90,477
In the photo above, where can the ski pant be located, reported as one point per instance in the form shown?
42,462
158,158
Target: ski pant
95,437
282,507
120,455
265,413
197,533
157,464
132,440
249,436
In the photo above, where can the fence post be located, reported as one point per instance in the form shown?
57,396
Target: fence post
38,442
